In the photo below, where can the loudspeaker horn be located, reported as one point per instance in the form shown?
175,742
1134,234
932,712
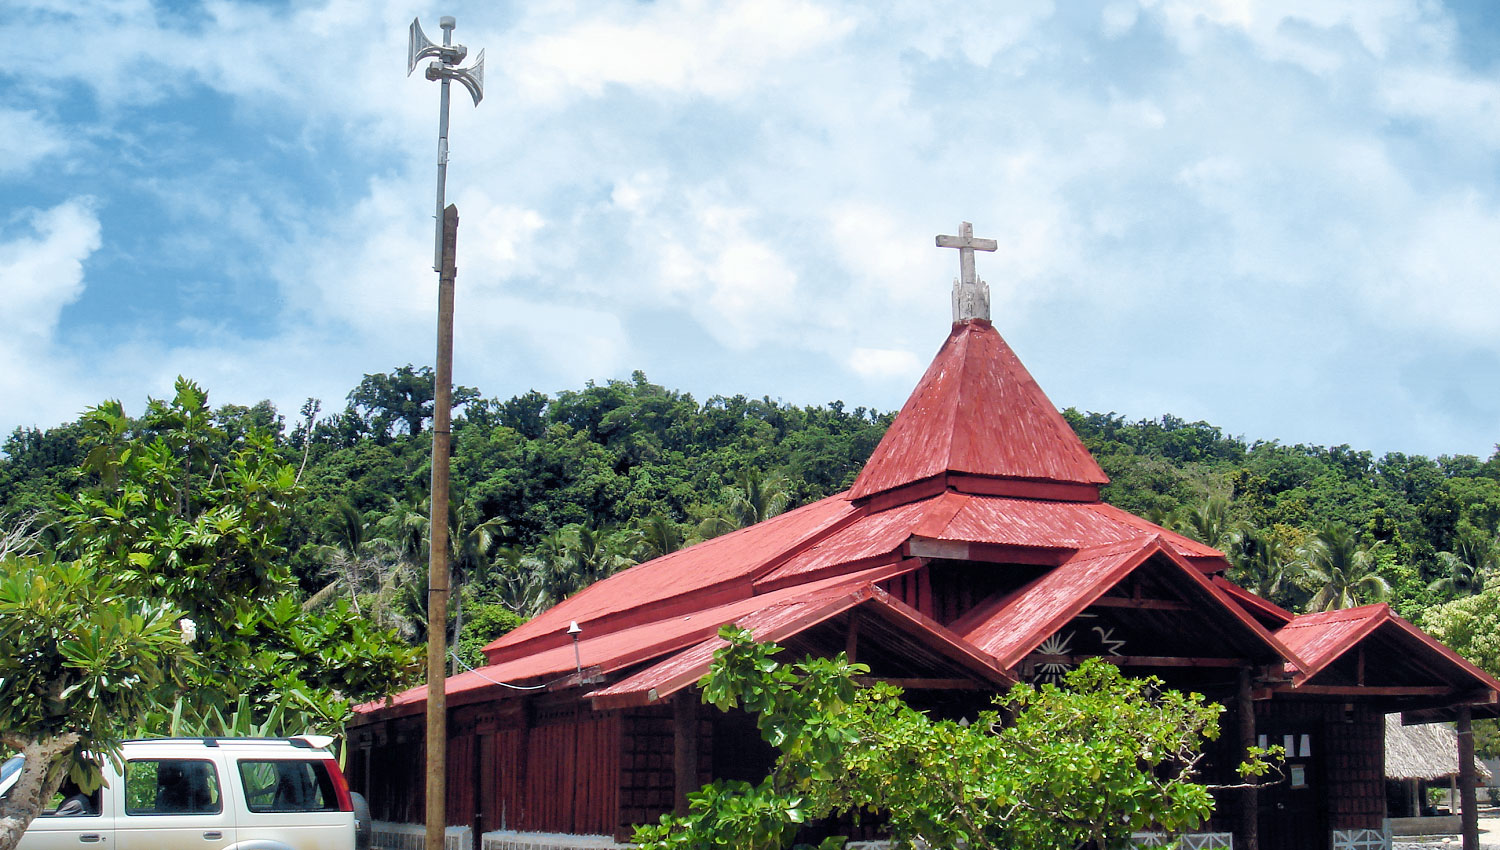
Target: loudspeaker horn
473,78
418,47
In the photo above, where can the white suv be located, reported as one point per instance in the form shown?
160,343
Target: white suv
206,794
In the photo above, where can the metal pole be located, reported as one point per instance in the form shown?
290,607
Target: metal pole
447,23
437,556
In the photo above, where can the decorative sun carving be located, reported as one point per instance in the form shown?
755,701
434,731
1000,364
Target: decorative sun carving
1062,644
1054,671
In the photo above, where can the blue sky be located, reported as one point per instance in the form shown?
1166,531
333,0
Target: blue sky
1280,217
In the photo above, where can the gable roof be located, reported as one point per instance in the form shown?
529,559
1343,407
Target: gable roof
1014,626
1322,638
779,622
978,421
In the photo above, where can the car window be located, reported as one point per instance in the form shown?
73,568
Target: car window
70,802
171,787
288,786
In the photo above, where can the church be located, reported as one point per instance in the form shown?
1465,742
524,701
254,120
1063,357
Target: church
972,552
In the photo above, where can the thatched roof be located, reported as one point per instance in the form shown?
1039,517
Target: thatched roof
1425,751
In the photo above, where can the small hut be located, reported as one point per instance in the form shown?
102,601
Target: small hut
1418,758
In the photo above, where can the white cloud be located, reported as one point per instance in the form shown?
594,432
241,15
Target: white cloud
26,139
686,47
727,184
885,364
1445,274
42,272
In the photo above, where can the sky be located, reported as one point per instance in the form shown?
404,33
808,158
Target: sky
1282,218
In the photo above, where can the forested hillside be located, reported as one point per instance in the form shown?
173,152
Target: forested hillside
555,491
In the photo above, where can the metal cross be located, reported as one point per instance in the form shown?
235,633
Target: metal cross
967,245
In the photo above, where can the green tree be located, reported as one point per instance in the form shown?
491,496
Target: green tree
403,396
183,512
1091,762
487,621
1343,572
1266,564
1208,522
1465,570
86,657
1470,626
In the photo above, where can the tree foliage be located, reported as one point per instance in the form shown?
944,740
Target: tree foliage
1055,767
189,507
86,655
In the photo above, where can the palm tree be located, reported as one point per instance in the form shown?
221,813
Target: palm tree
657,536
1208,523
757,498
368,568
472,541
753,498
1466,569
1264,562
1342,569
572,558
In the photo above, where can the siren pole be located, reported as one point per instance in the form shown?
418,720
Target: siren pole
444,68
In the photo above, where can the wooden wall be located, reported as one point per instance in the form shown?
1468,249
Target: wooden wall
538,764
1342,772
535,765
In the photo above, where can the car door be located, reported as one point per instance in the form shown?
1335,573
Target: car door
174,803
78,825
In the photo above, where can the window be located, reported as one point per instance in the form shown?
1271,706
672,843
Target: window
70,802
288,786
172,787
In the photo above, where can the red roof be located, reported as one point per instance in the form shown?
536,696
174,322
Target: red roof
1321,638
1005,523
1010,628
776,623
711,573
978,412
978,466
610,651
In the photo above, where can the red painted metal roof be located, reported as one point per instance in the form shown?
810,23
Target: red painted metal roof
1015,626
1263,609
1321,638
964,518
713,572
616,650
1010,628
777,623
977,411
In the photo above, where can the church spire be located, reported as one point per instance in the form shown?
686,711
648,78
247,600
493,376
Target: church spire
971,296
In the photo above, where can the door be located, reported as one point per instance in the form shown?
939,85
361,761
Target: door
1293,813
174,804
72,820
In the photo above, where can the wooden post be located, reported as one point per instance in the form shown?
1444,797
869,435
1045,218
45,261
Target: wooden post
685,751
1249,837
1468,803
437,555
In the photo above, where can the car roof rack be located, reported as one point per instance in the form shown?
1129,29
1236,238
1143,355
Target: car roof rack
306,742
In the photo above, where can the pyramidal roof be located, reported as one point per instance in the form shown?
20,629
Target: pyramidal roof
977,422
